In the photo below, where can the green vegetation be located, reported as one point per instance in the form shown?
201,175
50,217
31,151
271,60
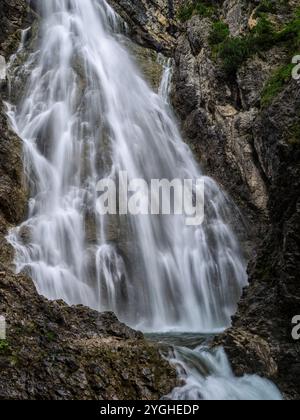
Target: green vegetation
4,347
204,8
266,6
263,36
260,39
271,6
289,36
294,134
219,33
275,84
234,51
51,336
6,351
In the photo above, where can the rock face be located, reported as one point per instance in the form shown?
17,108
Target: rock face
215,123
151,22
53,351
273,298
253,151
14,15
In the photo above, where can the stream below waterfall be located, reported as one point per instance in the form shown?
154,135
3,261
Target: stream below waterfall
206,374
88,113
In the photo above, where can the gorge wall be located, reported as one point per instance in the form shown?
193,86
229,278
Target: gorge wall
239,110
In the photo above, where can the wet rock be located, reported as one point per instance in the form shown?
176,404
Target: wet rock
149,64
15,15
240,344
152,24
13,197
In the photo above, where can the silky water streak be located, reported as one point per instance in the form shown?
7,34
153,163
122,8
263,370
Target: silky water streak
87,114
207,375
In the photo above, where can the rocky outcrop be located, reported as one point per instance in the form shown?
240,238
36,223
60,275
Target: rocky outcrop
13,197
152,23
273,298
219,111
53,351
215,122
14,16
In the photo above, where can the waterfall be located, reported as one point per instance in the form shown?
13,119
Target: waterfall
165,84
88,113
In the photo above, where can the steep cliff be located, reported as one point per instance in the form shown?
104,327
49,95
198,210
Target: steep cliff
260,340
53,351
239,107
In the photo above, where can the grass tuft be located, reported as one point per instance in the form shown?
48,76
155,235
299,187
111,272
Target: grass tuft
204,8
234,51
276,83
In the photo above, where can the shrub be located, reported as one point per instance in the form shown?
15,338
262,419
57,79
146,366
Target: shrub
219,33
233,53
263,36
185,12
203,8
266,6
272,7
4,347
275,84
294,135
290,34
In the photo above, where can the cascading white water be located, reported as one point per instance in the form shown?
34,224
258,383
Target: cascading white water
207,375
88,113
